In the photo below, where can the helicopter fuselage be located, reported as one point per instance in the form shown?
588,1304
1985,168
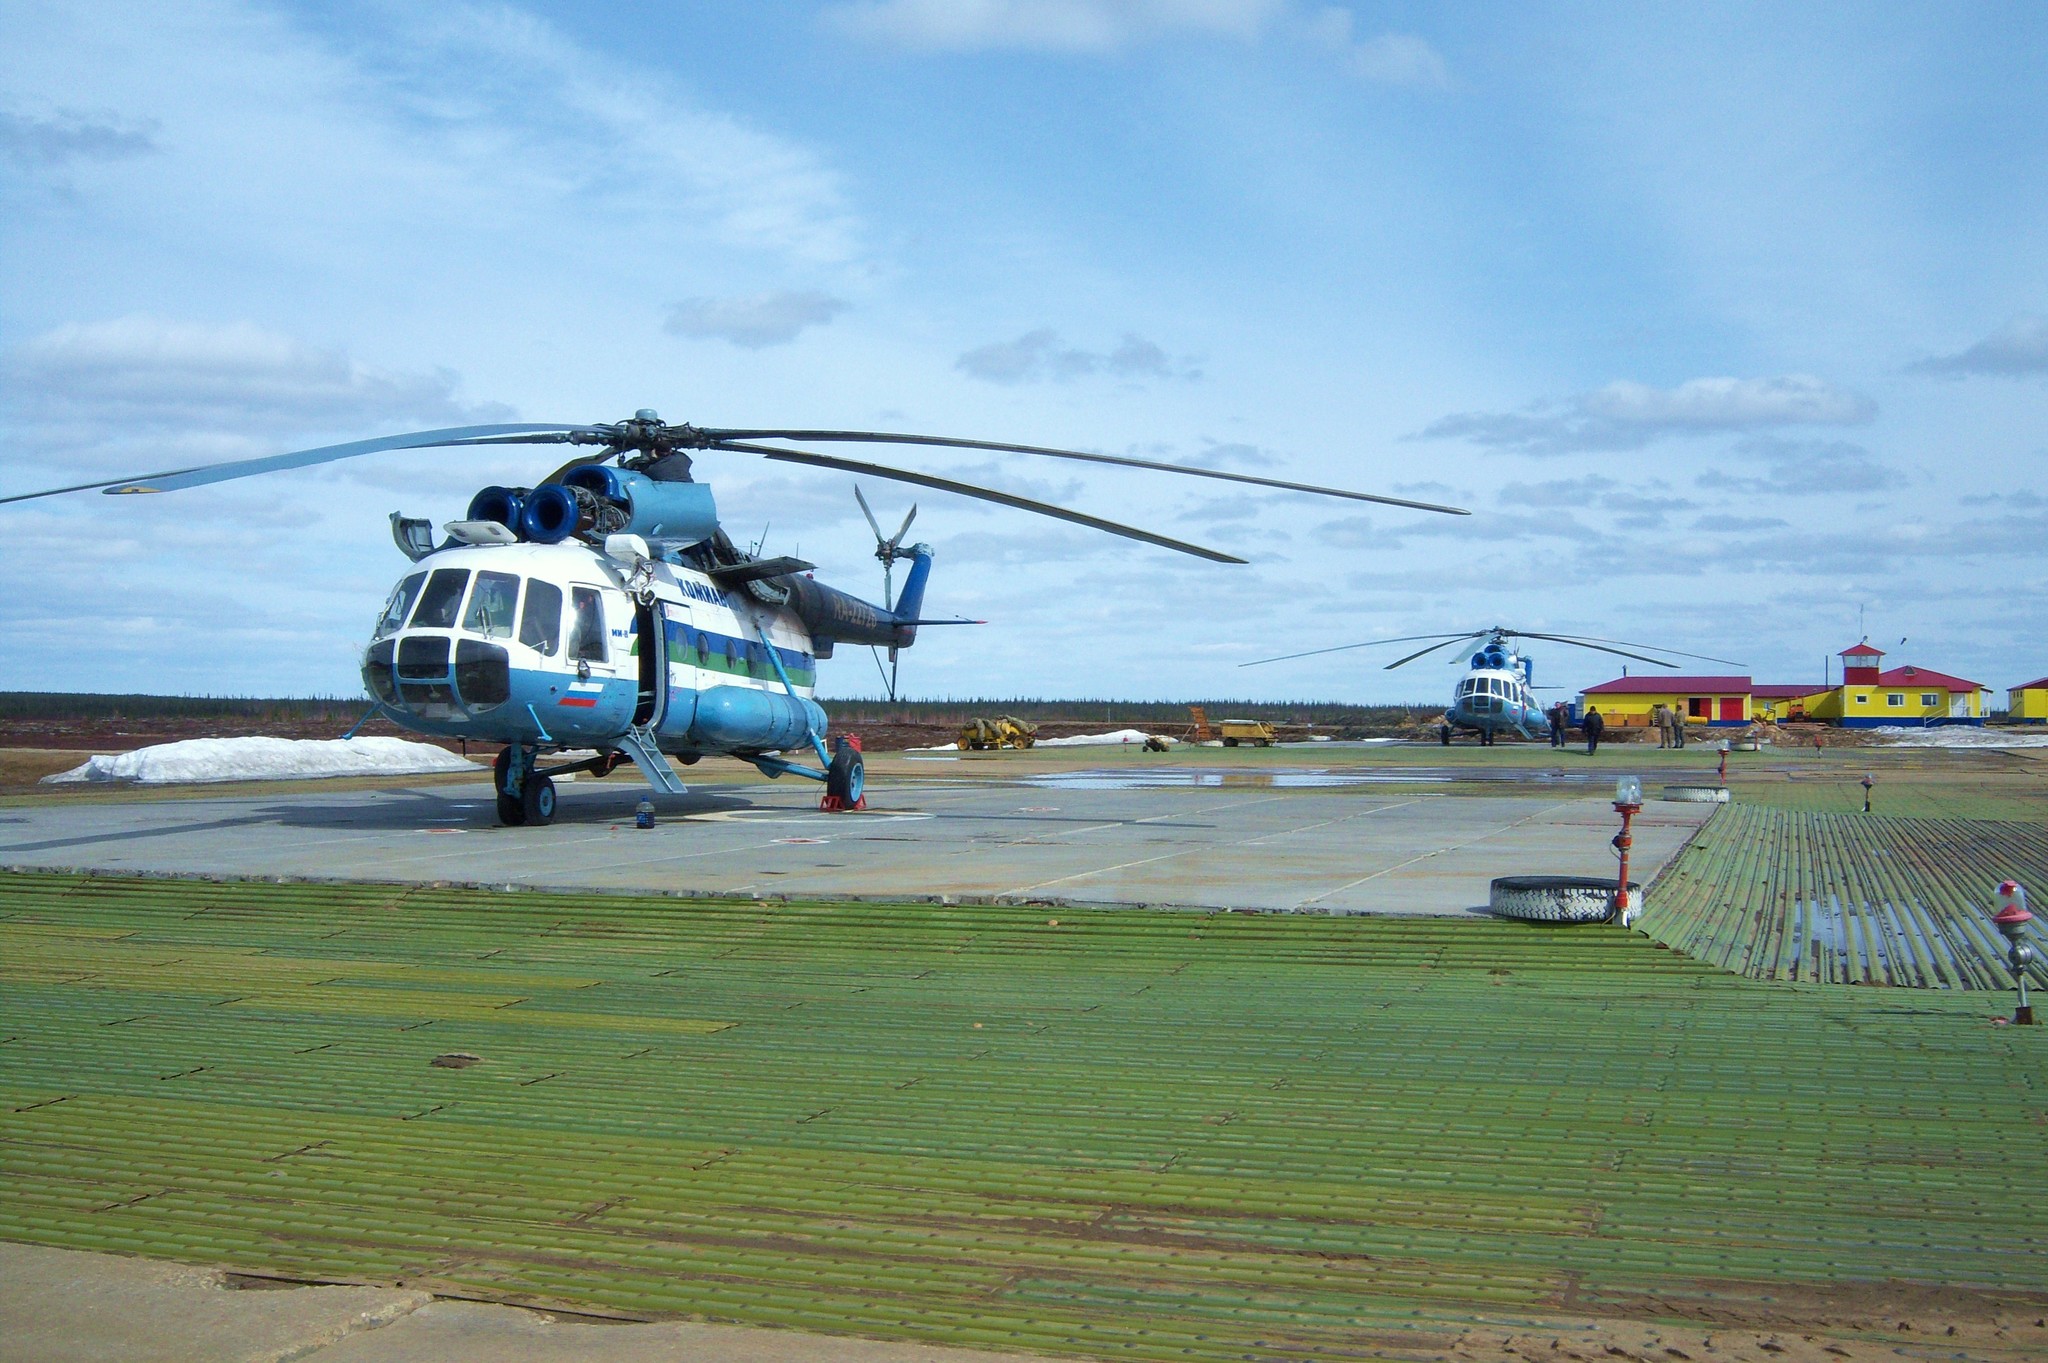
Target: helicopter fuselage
1494,695
562,646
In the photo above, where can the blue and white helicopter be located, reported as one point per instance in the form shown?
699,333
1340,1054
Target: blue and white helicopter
605,610
1497,692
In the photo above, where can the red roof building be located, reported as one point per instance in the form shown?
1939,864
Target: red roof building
1898,697
1630,701
1926,676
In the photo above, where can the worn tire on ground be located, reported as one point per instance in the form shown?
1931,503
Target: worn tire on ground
1556,899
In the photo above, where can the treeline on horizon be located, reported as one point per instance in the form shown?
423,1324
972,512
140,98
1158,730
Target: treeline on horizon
1117,714
1110,713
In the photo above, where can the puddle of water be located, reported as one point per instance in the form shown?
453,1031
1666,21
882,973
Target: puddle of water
1307,778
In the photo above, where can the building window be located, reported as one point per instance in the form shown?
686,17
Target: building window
1895,699
1929,699
1863,700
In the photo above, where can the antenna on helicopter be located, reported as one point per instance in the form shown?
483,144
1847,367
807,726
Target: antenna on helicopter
888,550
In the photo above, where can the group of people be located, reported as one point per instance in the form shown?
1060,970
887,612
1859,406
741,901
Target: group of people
1593,724
1670,726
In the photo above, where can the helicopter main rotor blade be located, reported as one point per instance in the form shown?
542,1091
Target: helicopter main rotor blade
1371,643
1588,640
200,475
826,461
1423,653
1599,648
951,442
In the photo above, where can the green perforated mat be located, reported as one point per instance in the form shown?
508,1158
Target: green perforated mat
1127,1134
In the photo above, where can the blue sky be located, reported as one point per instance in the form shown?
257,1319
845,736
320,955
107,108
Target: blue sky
1725,321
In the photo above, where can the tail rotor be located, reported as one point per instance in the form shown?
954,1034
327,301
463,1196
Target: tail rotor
888,549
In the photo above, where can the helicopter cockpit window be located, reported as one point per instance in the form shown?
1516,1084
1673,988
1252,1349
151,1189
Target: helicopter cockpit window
491,605
586,630
540,628
441,600
400,602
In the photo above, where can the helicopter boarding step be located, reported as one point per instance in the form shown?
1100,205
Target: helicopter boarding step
638,743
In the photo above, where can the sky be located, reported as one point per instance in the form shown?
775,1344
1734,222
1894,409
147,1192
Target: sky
1728,323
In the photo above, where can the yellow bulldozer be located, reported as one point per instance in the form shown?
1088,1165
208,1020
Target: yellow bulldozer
1005,731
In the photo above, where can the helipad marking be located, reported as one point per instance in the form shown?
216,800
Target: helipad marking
772,816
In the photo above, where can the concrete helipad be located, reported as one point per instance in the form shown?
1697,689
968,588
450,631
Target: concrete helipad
1289,839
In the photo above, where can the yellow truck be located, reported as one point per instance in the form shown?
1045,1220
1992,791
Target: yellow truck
1232,732
1256,732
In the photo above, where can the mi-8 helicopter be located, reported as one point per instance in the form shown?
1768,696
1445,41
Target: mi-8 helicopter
1497,692
604,609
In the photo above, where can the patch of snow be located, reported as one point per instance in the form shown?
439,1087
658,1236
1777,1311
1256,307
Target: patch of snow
1961,736
267,759
1096,740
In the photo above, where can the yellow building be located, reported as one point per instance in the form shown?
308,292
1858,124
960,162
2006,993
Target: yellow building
1778,703
1909,697
1628,702
2029,702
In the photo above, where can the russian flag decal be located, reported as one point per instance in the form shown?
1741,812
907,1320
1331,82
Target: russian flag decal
583,695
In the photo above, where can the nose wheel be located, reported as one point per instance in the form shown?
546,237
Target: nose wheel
524,795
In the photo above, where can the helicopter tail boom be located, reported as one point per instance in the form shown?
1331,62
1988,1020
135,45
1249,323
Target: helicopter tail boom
830,614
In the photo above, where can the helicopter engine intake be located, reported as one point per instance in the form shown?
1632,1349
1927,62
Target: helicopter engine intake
680,513
595,501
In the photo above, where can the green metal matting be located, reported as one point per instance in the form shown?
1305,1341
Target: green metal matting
1126,1134
1848,898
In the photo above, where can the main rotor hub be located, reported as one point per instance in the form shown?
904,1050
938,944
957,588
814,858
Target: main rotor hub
645,436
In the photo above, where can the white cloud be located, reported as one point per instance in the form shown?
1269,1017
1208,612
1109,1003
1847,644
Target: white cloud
237,375
1627,416
592,131
72,136
1084,26
1803,468
1102,27
1041,355
1387,59
753,321
2017,349
1223,454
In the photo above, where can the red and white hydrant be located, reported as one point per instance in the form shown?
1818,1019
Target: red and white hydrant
2011,918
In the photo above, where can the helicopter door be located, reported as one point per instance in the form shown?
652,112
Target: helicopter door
651,630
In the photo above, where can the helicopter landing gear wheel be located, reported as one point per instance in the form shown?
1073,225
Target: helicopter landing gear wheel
537,801
511,812
846,781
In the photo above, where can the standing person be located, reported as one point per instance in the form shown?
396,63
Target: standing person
1594,725
1677,727
1557,725
1662,715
